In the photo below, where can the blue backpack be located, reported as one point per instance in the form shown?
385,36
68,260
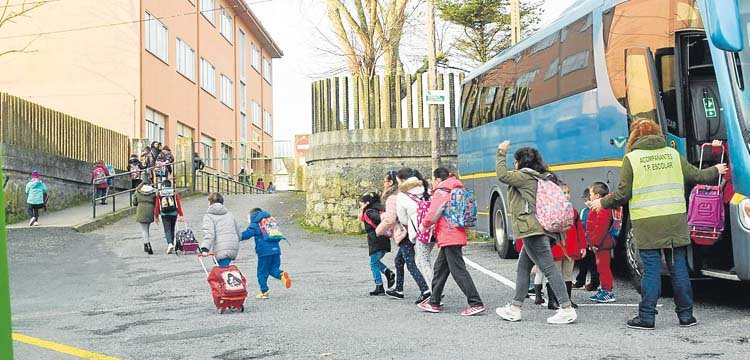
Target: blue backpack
461,209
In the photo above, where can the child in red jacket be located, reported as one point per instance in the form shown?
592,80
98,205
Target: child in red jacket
601,242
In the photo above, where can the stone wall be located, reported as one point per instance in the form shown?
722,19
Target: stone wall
343,165
68,180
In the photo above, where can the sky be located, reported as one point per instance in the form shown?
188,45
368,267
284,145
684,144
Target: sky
299,28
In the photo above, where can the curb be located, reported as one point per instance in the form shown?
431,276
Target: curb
111,218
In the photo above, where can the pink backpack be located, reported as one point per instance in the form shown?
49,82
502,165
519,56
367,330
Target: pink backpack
553,210
706,211
422,207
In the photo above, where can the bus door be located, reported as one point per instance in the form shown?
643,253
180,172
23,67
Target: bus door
643,98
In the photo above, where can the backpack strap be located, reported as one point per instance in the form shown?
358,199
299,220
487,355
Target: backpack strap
415,198
367,219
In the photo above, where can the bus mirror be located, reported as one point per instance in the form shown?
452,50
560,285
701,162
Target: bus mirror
724,24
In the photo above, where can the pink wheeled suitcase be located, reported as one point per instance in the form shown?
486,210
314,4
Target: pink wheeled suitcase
185,239
706,210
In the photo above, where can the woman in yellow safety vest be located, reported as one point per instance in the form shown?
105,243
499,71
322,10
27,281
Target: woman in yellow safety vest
652,182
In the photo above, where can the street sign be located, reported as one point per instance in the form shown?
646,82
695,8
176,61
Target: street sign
436,97
710,107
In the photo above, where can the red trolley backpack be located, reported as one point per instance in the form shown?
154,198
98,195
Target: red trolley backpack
228,286
706,210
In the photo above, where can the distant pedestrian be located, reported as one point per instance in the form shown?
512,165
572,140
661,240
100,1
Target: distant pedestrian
369,213
413,189
169,206
260,185
166,154
242,176
389,224
588,263
522,189
652,182
144,201
450,239
271,188
99,179
36,195
135,167
221,233
198,163
267,248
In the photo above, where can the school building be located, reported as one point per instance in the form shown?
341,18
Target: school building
153,70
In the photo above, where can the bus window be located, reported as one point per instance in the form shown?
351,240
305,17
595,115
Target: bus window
577,58
639,90
665,69
470,90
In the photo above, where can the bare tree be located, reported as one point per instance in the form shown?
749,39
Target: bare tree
10,14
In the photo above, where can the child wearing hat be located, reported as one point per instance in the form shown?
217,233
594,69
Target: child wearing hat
36,193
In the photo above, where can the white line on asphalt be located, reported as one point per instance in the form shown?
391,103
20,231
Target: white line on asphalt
611,304
493,275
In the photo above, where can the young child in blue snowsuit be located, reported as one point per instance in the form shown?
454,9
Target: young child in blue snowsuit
268,251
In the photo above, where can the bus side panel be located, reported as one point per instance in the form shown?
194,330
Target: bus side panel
740,245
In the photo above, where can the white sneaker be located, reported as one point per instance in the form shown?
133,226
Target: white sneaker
563,316
170,249
508,313
32,221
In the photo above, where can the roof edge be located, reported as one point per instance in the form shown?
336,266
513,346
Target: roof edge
267,40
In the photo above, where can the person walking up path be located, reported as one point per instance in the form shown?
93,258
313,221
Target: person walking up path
144,201
169,206
450,239
369,213
36,194
522,188
652,183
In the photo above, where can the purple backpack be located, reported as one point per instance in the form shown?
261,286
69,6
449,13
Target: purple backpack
706,211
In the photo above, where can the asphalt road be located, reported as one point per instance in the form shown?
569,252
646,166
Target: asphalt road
100,292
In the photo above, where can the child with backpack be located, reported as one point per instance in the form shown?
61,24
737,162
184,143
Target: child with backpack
265,231
412,203
99,180
601,243
389,224
221,234
540,212
36,193
168,204
566,253
370,209
588,263
451,238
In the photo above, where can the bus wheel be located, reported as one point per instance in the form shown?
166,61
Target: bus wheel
503,247
635,266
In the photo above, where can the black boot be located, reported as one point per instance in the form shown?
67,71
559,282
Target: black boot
391,277
569,286
378,291
552,302
147,248
538,298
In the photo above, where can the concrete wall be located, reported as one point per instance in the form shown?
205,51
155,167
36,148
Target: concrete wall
343,165
68,180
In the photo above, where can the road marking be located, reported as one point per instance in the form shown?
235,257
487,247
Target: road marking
491,274
61,348
512,285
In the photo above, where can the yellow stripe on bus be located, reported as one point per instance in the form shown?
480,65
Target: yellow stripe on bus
574,166
737,198
60,348
482,213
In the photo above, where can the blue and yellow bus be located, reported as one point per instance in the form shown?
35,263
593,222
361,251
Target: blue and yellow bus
572,89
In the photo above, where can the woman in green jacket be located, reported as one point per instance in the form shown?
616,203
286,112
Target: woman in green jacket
652,183
144,201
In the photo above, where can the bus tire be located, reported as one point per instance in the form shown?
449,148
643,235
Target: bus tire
634,265
502,244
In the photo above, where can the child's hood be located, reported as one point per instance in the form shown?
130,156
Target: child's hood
257,217
412,186
217,209
36,184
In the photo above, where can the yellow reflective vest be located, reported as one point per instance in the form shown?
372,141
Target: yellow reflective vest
658,183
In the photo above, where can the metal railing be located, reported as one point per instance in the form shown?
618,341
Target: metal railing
209,182
147,174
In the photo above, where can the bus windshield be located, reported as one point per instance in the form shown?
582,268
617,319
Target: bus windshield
741,82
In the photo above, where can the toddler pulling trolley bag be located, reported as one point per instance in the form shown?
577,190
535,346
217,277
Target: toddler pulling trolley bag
185,239
228,285
706,210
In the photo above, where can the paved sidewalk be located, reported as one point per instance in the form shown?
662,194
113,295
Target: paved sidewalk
76,215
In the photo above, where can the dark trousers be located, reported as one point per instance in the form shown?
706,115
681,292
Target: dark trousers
169,222
100,193
135,182
450,261
405,256
586,265
676,260
34,210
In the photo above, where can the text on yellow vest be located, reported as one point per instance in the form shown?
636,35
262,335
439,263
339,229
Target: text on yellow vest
658,183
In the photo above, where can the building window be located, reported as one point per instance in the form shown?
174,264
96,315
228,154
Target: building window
266,70
256,140
243,98
242,56
243,155
208,77
227,91
255,57
256,113
157,38
243,126
226,24
184,131
154,126
208,10
267,123
207,148
185,59
226,155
